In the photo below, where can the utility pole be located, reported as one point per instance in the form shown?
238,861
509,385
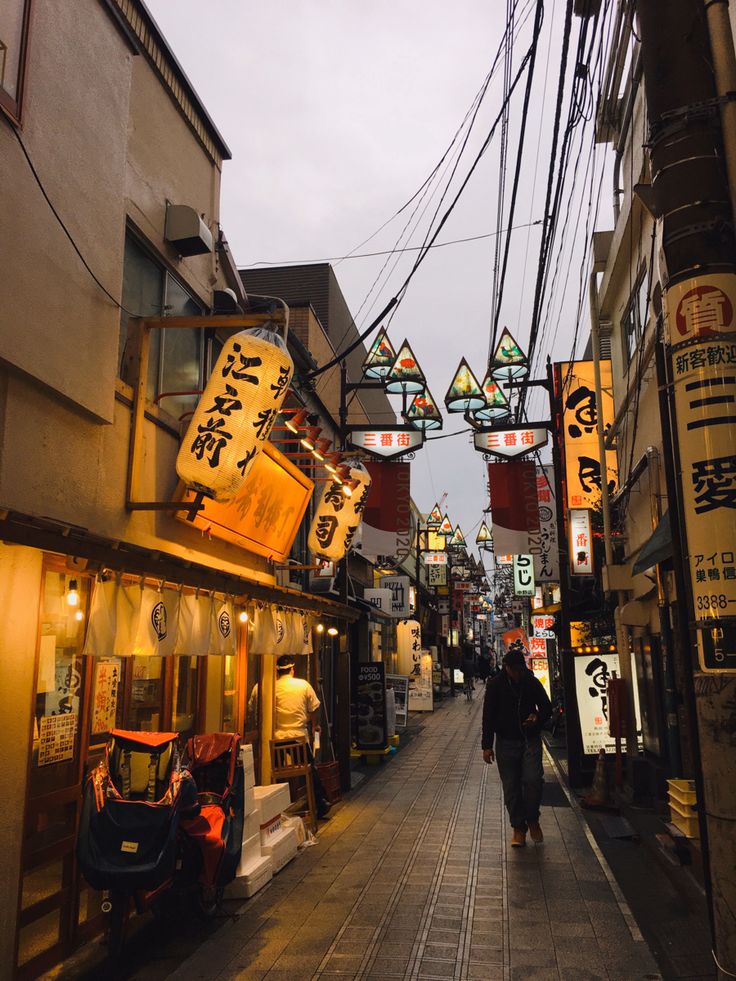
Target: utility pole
691,200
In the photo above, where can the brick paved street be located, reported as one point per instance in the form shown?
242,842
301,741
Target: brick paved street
413,878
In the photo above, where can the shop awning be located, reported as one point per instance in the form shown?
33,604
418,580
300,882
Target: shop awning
657,548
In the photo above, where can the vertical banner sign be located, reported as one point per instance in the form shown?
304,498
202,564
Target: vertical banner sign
543,544
592,674
400,685
436,575
420,686
581,551
576,382
387,525
523,575
370,704
700,316
514,506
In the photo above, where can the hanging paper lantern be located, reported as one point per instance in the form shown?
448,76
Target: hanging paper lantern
457,540
337,517
409,647
405,376
445,527
423,412
380,357
434,518
497,405
509,361
235,414
464,393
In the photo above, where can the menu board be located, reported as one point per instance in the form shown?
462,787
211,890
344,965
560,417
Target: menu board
56,738
370,704
400,685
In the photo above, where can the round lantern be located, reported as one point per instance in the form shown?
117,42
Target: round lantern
235,413
337,517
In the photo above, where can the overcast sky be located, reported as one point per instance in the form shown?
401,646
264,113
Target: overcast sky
336,112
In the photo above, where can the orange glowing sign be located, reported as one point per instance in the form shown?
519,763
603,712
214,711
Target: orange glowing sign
265,515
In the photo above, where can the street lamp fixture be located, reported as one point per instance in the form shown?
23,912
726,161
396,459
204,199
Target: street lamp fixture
483,537
509,361
405,376
380,357
464,393
320,448
310,437
423,413
497,405
332,462
296,421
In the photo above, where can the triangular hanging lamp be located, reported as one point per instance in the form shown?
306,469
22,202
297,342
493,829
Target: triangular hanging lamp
464,393
434,518
483,536
423,412
497,405
509,361
458,539
380,357
445,527
405,376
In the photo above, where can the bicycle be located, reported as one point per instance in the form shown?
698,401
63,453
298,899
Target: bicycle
469,688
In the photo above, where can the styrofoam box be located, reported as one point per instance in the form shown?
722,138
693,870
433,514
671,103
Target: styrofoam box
252,824
251,804
269,832
272,800
251,848
252,876
282,848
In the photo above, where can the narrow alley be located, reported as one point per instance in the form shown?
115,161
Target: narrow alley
413,877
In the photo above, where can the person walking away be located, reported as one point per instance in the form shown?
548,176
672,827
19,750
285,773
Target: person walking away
296,706
516,707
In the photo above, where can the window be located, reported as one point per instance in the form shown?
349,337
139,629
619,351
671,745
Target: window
14,16
635,318
179,360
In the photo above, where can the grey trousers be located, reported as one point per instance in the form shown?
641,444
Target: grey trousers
522,777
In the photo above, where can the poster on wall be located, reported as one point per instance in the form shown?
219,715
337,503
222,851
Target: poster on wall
370,702
543,544
400,685
420,686
592,673
105,695
56,738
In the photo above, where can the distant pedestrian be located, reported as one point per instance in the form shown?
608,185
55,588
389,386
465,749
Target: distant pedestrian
515,709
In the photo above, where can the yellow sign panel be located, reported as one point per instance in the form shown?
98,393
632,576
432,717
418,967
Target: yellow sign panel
580,436
265,515
702,331
435,542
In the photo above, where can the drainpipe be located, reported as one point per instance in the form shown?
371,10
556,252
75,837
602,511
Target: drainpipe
623,643
668,669
724,74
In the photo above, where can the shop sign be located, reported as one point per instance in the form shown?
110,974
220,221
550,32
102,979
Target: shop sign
543,544
537,646
592,673
370,705
523,575
389,442
581,552
399,587
400,685
436,542
576,382
700,315
387,521
105,695
514,507
443,605
540,669
380,598
509,442
504,560
409,647
57,734
265,515
437,575
515,639
420,685
543,625
435,558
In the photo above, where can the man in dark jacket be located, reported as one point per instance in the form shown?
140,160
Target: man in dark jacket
515,709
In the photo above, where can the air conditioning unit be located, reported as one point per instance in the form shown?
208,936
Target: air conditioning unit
288,578
186,231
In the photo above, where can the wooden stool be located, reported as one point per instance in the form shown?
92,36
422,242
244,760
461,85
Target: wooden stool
289,759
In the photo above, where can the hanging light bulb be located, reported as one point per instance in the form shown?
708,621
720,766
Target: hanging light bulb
72,596
332,631
243,616
79,615
320,628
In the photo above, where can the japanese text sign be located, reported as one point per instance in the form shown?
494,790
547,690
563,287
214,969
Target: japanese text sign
543,544
387,442
581,551
509,443
576,385
399,586
523,575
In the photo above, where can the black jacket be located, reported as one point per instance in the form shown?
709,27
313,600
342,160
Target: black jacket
507,704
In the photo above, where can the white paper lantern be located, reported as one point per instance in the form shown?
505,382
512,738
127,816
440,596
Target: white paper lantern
235,414
409,647
337,517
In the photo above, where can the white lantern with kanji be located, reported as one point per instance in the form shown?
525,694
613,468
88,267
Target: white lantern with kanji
337,517
409,647
236,412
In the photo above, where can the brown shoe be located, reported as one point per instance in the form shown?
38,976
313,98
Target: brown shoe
535,832
518,839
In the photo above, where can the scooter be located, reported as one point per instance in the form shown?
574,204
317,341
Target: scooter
147,835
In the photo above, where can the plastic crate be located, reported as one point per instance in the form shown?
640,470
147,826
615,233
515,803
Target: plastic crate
684,819
682,792
329,775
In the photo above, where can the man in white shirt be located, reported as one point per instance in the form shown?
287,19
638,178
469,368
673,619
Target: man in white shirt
296,706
